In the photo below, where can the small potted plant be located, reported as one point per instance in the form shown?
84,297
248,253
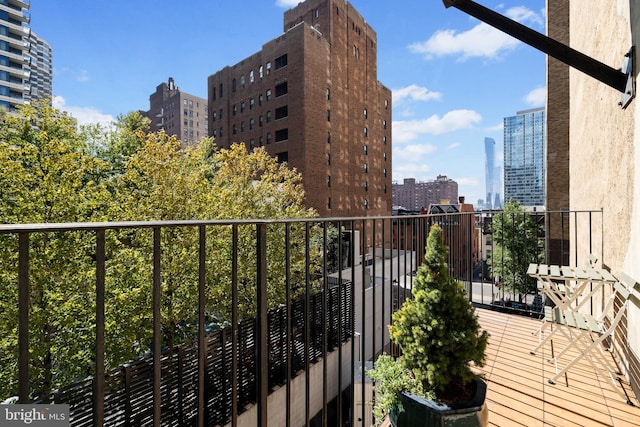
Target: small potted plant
440,338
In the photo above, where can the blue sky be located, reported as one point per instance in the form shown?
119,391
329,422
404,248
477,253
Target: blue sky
453,78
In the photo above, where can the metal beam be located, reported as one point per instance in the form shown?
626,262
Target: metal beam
617,79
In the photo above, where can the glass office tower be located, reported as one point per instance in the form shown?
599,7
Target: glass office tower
525,146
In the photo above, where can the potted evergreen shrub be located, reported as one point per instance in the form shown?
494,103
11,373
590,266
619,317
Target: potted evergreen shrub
432,383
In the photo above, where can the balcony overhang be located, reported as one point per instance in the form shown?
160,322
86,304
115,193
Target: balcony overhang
620,79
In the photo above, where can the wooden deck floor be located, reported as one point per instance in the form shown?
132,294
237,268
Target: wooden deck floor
519,394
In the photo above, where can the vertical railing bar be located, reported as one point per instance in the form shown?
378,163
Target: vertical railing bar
325,290
591,252
262,367
234,325
384,281
353,316
363,334
307,327
373,290
287,234
340,267
23,318
157,327
98,390
202,350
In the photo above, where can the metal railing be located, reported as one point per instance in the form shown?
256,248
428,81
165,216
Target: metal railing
200,321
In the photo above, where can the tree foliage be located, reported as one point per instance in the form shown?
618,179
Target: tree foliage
516,245
52,171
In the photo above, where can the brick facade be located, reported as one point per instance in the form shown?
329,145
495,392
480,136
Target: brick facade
311,98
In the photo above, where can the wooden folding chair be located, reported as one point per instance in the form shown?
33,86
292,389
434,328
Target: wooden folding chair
592,331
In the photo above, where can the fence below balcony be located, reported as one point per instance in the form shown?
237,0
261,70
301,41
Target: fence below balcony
205,322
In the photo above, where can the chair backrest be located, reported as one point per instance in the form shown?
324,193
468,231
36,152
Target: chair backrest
622,289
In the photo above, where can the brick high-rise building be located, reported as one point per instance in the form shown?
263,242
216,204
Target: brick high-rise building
420,195
178,113
311,97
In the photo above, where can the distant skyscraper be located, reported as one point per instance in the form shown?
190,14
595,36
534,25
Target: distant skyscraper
41,61
489,170
524,157
178,113
25,59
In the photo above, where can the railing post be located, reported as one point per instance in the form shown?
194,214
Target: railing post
157,327
98,382
202,349
262,374
23,317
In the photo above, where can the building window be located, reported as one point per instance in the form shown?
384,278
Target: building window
328,137
328,94
261,141
252,124
252,77
384,171
282,135
213,94
384,124
214,116
268,116
328,180
366,168
234,110
366,186
242,107
268,68
328,159
233,85
282,112
384,139
317,12
215,132
186,112
268,138
281,61
252,144
329,203
261,71
386,104
328,115
366,132
366,204
366,150
184,102
242,126
221,133
185,122
251,102
268,94
242,81
365,114
282,89
384,155
220,90
235,129
260,121
260,100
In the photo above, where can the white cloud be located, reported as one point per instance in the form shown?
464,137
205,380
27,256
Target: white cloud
287,3
496,128
82,76
84,115
480,41
413,152
468,182
414,93
454,146
537,97
404,131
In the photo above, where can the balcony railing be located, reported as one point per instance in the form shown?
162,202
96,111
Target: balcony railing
199,322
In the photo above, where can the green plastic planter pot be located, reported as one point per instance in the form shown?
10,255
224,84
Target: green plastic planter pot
417,411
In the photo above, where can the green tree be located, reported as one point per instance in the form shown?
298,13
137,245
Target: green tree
516,239
46,176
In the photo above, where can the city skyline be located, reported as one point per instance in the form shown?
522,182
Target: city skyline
453,78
